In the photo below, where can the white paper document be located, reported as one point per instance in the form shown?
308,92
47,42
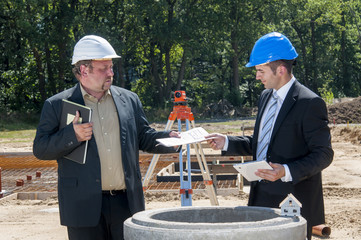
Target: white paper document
191,136
249,168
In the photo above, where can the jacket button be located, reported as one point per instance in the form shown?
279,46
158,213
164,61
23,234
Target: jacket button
97,180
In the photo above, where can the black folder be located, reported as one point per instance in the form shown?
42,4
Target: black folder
67,116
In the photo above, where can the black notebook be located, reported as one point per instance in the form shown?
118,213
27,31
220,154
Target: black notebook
67,116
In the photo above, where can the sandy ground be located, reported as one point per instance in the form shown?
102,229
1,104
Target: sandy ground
38,220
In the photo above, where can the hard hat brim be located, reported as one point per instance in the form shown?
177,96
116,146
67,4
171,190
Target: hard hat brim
110,57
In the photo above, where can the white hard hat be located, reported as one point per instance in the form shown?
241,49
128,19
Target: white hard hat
93,47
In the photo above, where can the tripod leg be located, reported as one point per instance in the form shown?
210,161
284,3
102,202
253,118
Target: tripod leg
185,185
154,161
205,172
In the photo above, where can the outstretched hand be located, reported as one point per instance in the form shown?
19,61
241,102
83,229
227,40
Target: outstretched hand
174,134
216,140
83,131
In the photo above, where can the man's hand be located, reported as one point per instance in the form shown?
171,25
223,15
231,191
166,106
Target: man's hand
216,140
83,131
174,134
276,173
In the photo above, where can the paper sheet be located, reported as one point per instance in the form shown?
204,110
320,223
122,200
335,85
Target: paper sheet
249,168
191,136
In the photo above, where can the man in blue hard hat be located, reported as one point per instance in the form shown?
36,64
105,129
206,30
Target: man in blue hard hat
291,133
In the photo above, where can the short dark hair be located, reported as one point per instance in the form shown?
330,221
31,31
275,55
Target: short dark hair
287,63
76,68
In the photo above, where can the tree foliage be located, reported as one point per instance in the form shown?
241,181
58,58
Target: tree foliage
200,46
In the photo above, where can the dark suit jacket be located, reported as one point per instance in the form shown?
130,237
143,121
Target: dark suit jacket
79,186
301,139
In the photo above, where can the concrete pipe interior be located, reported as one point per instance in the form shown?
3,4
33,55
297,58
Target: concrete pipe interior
217,215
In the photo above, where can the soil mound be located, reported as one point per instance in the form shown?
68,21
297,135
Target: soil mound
345,112
350,134
338,113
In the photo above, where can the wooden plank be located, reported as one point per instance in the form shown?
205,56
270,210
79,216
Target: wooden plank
222,168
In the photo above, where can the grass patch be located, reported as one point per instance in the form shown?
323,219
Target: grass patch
236,123
18,121
227,126
18,135
18,127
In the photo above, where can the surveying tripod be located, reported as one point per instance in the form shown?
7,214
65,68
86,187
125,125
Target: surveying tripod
183,113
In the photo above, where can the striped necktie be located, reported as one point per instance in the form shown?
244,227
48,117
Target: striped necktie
266,129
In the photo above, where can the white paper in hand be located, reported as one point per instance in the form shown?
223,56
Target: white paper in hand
191,136
249,168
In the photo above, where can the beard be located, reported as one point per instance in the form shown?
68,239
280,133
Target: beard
106,85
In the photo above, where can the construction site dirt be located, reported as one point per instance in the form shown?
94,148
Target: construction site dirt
39,219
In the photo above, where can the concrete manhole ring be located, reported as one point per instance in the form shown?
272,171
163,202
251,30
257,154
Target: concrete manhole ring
214,223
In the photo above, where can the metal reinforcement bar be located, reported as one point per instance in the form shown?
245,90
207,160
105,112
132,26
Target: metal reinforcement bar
41,176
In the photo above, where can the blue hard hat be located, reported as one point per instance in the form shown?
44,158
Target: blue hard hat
271,47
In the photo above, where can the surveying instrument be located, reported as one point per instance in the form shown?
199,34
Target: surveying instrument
183,113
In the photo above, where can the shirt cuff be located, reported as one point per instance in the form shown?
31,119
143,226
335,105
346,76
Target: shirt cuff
288,176
225,147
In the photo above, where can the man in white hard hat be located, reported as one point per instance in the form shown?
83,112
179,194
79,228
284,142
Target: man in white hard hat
291,133
96,197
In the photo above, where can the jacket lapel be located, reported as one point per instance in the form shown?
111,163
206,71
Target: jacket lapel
120,104
263,103
289,101
76,96
119,101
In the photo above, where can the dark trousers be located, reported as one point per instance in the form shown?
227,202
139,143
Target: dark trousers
263,198
115,210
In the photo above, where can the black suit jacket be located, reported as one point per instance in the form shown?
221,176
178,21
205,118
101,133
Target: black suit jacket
79,186
301,139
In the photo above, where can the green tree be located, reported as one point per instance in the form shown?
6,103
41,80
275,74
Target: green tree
197,45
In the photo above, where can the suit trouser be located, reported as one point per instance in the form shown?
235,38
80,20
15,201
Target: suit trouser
263,198
115,210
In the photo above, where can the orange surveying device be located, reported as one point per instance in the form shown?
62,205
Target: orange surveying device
182,112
